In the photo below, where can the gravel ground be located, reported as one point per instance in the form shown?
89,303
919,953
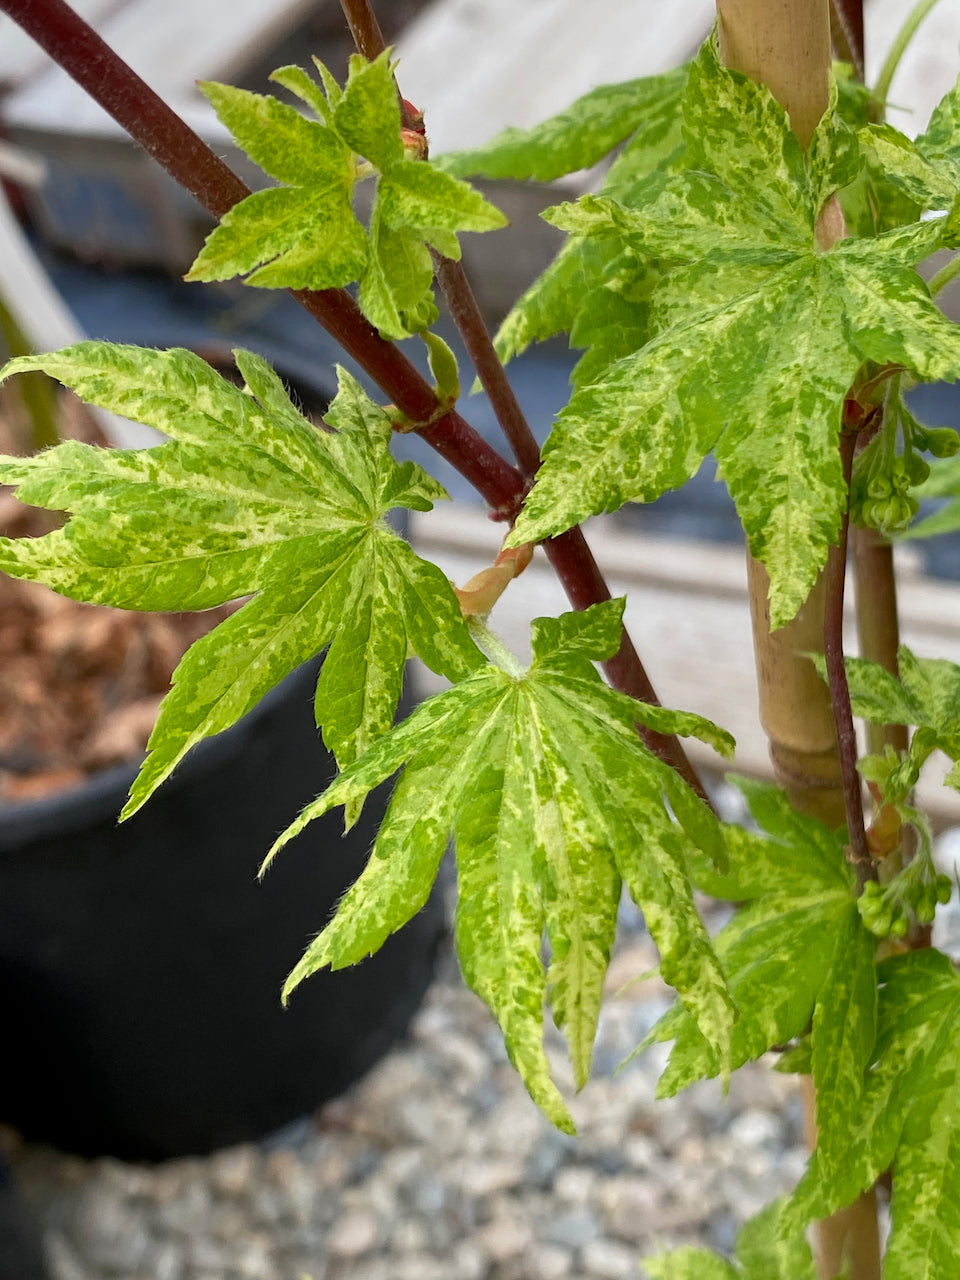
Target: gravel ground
437,1166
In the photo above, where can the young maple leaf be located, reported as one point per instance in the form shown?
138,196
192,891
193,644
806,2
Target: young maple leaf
247,498
907,1118
927,170
796,951
926,696
760,333
304,234
552,800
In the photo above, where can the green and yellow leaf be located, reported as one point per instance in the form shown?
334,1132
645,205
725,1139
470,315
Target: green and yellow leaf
521,770
760,334
247,498
778,951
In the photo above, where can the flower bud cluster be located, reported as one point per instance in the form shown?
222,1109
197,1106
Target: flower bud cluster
883,476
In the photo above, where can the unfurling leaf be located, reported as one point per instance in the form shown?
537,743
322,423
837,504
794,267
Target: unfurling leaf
926,696
304,234
247,498
552,800
301,235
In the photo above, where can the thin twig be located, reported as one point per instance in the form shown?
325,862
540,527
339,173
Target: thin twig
465,313
187,158
837,680
365,29
458,292
846,30
906,33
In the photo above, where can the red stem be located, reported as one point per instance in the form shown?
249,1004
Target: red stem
465,312
846,28
569,554
365,29
837,680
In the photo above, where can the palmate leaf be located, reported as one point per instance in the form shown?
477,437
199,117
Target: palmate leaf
247,498
577,281
927,696
761,334
553,800
579,136
761,1254
304,234
300,235
574,295
907,1118
782,948
926,170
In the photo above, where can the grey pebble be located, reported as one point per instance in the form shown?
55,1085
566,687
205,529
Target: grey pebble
548,1262
573,1228
437,1166
354,1234
608,1259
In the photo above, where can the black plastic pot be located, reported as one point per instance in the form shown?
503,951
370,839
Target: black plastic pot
140,966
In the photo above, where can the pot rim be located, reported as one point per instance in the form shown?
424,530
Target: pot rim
102,793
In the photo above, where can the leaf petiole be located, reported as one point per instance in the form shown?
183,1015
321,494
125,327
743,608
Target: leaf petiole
944,276
494,648
899,48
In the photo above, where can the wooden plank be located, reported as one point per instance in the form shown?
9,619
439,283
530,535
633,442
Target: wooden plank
516,64
689,617
171,44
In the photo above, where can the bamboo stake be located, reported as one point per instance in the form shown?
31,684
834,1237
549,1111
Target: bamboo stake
786,45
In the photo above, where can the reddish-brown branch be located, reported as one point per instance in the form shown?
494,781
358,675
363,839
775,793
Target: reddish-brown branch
846,29
465,312
569,554
365,29
837,679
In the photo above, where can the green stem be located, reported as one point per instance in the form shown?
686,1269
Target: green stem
494,648
944,276
837,679
35,389
904,36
